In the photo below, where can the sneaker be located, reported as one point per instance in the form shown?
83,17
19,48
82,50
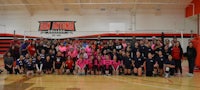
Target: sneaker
167,75
190,75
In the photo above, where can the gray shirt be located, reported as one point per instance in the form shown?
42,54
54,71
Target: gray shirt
8,60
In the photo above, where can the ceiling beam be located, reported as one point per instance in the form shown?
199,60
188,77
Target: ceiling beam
113,3
28,7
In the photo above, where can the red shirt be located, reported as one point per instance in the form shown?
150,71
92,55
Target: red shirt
176,53
69,64
31,50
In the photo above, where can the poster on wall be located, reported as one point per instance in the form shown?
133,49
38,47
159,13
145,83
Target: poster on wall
63,26
45,26
57,26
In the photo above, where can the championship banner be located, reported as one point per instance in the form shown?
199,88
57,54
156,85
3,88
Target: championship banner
57,26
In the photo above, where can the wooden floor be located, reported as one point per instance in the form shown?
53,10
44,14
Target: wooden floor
69,82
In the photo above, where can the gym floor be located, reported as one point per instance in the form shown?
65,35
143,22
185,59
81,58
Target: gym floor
92,82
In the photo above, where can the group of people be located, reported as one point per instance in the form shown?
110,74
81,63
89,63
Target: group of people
98,57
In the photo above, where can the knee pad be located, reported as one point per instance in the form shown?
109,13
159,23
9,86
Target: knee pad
167,69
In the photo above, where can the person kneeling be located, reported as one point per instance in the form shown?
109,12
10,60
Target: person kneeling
138,64
39,65
81,65
30,68
169,67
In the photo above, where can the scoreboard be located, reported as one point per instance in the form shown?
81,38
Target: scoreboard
57,25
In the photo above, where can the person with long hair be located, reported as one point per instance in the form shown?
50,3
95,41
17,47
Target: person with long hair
32,48
177,53
115,65
59,63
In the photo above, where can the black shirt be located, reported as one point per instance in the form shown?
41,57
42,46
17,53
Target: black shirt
139,61
127,61
150,64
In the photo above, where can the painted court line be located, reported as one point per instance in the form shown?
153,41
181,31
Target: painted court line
166,88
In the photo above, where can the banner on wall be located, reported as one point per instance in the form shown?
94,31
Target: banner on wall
189,11
57,26
193,8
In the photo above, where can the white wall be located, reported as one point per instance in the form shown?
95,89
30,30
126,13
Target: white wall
89,21
96,21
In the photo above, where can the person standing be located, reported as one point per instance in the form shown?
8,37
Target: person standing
191,55
177,53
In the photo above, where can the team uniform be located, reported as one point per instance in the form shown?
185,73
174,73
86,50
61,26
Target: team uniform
89,65
143,50
48,65
81,64
115,65
161,60
58,62
39,65
118,47
30,67
150,66
97,65
20,64
139,61
107,64
127,62
171,70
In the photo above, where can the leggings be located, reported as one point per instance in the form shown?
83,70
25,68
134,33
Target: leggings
178,66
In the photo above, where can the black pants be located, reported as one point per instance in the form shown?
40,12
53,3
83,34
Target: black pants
107,69
10,70
178,66
171,71
191,62
149,73
16,71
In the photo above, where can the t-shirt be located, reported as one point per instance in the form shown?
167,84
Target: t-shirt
161,60
20,62
29,65
139,61
48,64
81,63
32,50
107,63
150,64
170,62
116,64
58,61
118,47
69,64
89,64
39,62
127,61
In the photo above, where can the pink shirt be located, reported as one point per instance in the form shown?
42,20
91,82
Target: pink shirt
73,54
88,50
98,63
103,57
107,63
89,63
116,64
62,48
81,63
